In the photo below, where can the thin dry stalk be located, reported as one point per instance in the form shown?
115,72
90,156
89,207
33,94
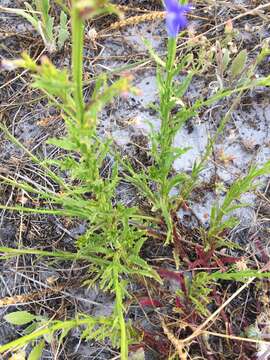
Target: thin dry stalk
134,20
19,299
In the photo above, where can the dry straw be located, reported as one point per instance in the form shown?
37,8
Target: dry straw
134,20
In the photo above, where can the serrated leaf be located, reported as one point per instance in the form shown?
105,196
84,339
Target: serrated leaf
176,180
49,29
184,64
225,59
238,64
63,33
63,143
36,352
153,54
183,87
19,318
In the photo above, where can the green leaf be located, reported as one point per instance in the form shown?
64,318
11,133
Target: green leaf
49,29
226,59
264,53
19,318
43,6
153,54
36,352
48,337
238,63
176,180
64,143
63,33
239,275
183,87
30,328
64,334
263,82
184,64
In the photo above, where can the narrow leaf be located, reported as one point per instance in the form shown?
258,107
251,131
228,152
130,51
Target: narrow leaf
238,63
153,54
63,33
36,352
19,318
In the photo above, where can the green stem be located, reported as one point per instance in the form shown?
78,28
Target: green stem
10,252
34,210
119,310
165,99
56,254
171,55
77,60
63,325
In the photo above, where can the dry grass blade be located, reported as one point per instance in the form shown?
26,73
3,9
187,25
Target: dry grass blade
26,298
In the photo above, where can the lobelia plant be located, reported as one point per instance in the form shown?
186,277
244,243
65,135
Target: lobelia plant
113,240
162,150
160,175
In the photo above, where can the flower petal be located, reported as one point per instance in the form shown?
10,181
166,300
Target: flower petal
172,26
182,22
176,16
172,5
175,23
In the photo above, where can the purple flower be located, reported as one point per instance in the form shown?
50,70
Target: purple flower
176,16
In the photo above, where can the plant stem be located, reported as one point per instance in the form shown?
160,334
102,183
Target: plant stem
165,98
165,110
119,310
40,332
57,254
171,56
77,60
10,252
